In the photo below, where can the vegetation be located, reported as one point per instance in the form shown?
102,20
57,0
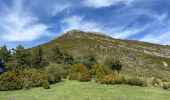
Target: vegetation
137,81
79,72
59,57
166,85
10,81
137,58
37,59
88,60
100,71
21,56
82,59
114,64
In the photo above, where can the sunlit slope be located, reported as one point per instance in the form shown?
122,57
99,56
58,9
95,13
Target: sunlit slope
139,58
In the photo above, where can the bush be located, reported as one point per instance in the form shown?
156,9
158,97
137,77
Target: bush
10,81
100,71
55,72
33,78
45,84
119,80
84,77
111,79
155,82
113,63
26,78
108,79
136,81
166,85
79,72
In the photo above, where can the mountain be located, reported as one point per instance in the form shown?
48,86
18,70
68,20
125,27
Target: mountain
138,58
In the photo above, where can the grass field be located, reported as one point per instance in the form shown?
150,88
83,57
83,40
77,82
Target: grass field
73,90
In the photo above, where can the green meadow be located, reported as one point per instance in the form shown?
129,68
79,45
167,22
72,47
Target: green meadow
74,90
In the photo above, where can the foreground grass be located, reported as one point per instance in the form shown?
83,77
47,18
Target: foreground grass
73,90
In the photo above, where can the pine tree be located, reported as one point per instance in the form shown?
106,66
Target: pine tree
5,54
37,57
22,56
60,57
56,55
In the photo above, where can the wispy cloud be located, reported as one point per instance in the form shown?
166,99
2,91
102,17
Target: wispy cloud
60,8
78,22
161,38
157,16
105,3
20,25
158,35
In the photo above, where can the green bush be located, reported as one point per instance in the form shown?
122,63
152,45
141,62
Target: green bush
136,81
55,72
45,84
119,80
26,78
79,72
111,79
10,81
166,85
100,71
33,77
108,79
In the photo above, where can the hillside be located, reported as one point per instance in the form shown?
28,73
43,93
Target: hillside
74,90
138,58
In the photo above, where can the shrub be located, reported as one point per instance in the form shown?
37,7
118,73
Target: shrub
10,81
45,84
79,72
166,85
111,79
26,78
33,78
119,80
136,81
100,71
108,79
84,77
155,82
113,63
55,72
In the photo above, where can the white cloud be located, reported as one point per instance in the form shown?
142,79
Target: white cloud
77,22
105,3
127,33
61,7
161,38
20,25
157,16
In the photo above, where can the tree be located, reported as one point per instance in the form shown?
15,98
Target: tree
88,60
5,54
22,56
37,57
114,64
60,57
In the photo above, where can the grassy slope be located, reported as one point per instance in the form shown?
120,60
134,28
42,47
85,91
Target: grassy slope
73,90
135,63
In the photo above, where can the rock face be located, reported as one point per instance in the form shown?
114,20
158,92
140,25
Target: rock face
139,58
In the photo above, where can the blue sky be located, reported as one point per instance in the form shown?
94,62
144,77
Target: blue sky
33,22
